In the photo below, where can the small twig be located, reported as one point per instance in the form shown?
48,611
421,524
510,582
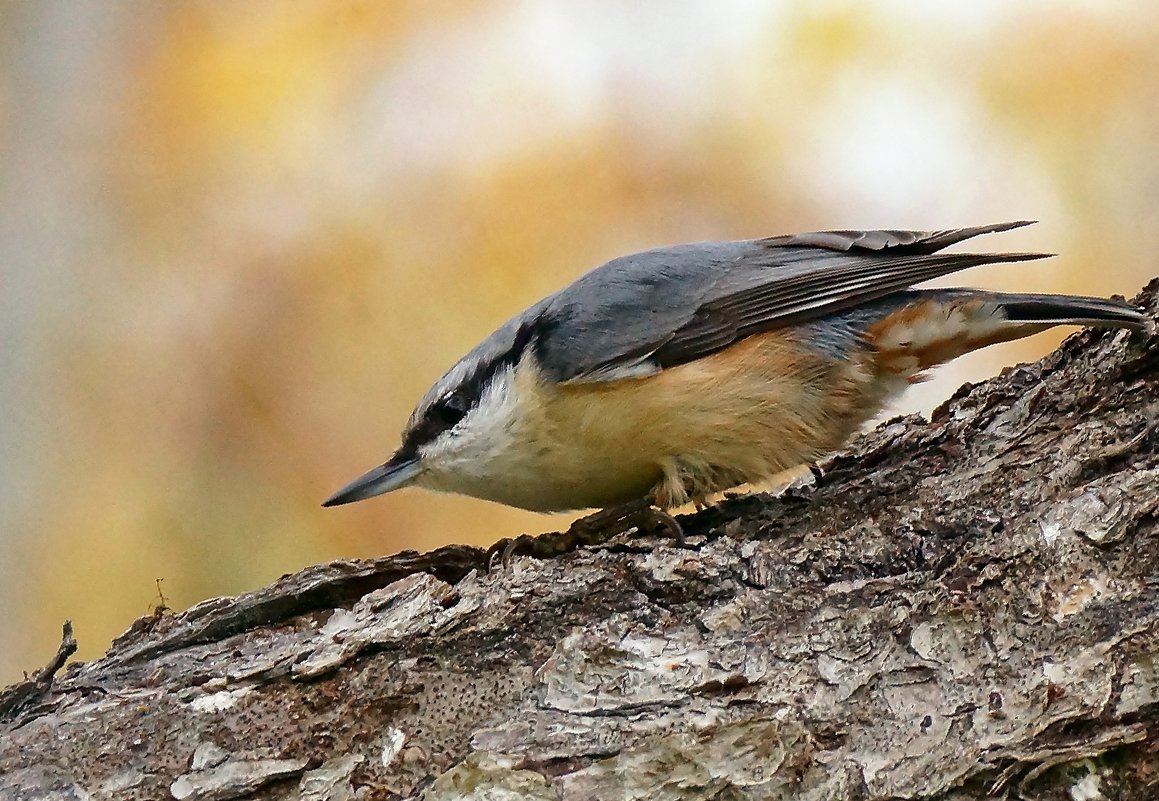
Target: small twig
32,689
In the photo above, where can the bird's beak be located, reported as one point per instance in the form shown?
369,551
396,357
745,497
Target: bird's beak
390,476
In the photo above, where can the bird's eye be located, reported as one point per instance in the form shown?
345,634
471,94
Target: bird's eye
450,411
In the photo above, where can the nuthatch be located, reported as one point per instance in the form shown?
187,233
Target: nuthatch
676,373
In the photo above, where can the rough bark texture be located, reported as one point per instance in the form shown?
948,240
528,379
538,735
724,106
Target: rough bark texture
960,609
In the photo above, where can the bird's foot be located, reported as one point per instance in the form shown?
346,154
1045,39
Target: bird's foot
642,515
594,529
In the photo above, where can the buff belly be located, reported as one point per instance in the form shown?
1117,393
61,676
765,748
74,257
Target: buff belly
741,415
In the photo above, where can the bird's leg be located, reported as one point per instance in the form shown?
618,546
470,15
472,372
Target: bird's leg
595,529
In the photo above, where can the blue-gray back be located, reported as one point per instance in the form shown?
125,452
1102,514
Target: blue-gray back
642,313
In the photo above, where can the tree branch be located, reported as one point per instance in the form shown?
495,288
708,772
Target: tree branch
958,609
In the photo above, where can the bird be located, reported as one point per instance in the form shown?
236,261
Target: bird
674,374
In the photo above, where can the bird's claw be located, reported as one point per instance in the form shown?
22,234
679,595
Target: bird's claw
538,546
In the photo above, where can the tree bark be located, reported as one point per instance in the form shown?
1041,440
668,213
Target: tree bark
963,608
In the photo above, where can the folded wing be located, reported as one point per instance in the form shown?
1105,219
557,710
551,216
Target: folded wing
671,306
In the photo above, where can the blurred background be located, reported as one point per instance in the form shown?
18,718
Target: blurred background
239,240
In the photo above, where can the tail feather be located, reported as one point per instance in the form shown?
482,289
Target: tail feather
927,327
1071,310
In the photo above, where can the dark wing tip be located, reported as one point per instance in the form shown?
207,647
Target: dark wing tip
1000,257
922,242
995,228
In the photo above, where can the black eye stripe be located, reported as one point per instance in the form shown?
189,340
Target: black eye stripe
454,407
440,417
447,412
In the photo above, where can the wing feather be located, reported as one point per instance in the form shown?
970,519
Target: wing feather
722,321
655,310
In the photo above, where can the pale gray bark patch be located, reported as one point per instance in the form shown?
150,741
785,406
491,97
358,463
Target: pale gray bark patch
963,608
